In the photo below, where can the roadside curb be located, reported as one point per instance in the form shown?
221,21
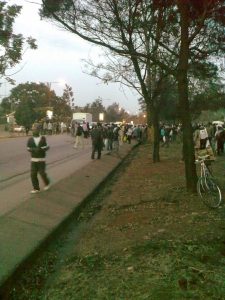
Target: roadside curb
26,230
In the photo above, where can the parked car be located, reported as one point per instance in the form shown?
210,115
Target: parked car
19,129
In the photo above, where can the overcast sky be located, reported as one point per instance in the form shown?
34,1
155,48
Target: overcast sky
59,57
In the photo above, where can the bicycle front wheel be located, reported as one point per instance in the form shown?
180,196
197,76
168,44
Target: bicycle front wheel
209,192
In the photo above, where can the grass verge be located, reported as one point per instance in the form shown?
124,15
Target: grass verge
141,237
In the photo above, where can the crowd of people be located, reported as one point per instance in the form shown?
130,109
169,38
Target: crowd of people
210,136
204,135
49,127
109,137
169,133
112,135
102,136
126,132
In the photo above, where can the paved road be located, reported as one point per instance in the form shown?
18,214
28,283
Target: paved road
62,160
15,160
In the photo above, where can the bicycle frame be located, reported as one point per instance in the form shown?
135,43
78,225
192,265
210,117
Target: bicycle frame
206,185
204,170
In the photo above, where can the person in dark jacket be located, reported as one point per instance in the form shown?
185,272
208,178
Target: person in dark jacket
97,141
37,146
79,137
116,135
110,138
220,139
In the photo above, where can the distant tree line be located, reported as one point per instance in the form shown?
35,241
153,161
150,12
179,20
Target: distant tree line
30,102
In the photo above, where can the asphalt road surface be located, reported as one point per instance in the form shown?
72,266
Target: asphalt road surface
62,160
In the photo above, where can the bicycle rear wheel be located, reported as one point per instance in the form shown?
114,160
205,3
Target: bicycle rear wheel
209,191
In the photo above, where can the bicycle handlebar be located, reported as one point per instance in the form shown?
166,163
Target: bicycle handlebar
202,158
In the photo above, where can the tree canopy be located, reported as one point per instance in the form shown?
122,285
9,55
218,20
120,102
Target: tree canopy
12,46
158,38
37,98
25,114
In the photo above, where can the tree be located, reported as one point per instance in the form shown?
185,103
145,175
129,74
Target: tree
42,97
139,73
165,35
210,95
115,113
95,108
62,105
25,114
68,95
2,116
195,17
39,94
11,44
124,28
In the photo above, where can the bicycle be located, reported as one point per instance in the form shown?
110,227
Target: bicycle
207,188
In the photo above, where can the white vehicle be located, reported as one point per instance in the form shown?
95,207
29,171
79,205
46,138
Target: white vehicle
81,117
19,129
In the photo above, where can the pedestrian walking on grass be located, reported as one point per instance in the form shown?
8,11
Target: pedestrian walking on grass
37,146
220,139
97,141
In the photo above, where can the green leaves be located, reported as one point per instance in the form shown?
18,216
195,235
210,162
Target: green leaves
11,45
31,42
31,100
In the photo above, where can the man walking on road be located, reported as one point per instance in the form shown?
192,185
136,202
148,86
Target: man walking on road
37,146
97,140
79,139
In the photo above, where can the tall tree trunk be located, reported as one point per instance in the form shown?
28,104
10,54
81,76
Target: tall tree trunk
149,123
188,145
156,157
153,116
155,125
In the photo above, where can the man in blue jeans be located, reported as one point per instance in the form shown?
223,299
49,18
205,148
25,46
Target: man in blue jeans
37,146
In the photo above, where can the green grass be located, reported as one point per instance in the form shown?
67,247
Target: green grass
167,266
152,270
